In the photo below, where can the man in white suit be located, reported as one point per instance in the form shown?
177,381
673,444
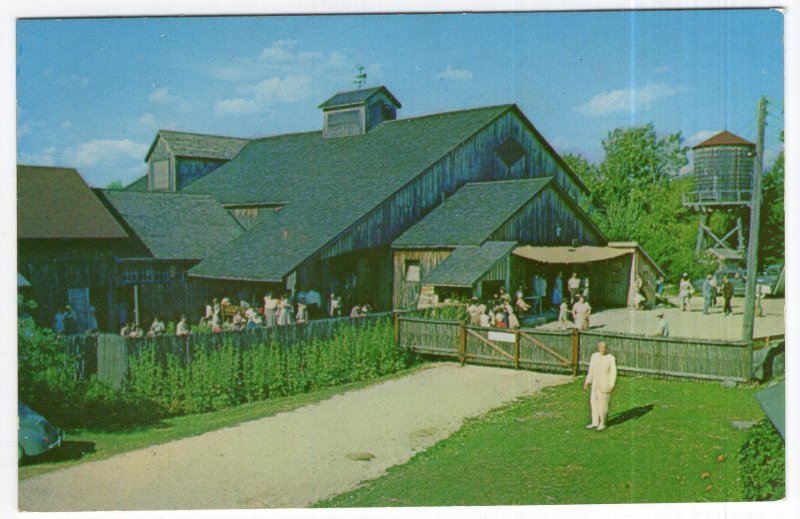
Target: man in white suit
602,376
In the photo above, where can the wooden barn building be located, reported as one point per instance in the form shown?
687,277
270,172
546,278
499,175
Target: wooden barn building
458,192
497,234
66,244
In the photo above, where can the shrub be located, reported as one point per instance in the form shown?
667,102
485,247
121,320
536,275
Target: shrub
762,462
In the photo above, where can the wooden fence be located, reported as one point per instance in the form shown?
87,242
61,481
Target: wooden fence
569,351
114,351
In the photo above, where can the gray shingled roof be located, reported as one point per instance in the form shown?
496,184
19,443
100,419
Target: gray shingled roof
140,184
57,203
354,97
175,226
465,265
472,214
328,185
200,146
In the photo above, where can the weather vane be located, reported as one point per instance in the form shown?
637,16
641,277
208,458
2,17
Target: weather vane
361,77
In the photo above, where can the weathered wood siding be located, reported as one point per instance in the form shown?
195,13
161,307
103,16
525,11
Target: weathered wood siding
406,293
475,160
161,152
548,219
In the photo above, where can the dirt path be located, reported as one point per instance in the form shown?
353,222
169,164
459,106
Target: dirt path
291,459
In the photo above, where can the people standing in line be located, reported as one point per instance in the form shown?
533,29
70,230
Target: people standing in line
270,310
662,329
574,287
714,291
585,291
602,376
334,305
727,295
685,290
580,313
558,295
639,296
58,321
563,310
157,328
182,328
70,321
660,290
708,291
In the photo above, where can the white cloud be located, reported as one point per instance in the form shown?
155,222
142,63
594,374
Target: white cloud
624,100
109,151
66,124
700,136
455,74
46,157
266,93
24,129
162,96
282,57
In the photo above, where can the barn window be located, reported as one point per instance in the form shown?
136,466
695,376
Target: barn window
412,270
161,175
510,152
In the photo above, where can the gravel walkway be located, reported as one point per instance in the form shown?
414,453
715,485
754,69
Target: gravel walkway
292,459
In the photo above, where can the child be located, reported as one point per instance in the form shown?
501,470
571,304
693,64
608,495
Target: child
562,315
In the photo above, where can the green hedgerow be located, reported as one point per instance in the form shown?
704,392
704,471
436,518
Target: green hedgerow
762,461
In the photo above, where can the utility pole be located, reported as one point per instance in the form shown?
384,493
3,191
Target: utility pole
752,244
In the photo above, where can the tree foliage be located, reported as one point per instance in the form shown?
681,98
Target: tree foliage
773,231
636,195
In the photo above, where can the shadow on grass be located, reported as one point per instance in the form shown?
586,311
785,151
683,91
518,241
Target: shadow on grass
69,450
631,414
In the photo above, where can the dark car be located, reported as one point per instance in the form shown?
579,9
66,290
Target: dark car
36,435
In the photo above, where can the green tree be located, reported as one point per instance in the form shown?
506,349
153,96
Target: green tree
772,232
636,195
116,184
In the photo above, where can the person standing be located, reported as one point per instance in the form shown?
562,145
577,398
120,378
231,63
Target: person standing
270,310
580,313
684,292
727,295
660,291
574,287
708,290
558,294
663,329
602,376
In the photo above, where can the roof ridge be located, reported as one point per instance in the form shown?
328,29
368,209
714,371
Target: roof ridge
158,193
206,135
438,114
66,168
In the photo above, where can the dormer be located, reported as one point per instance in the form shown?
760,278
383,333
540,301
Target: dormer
358,111
176,159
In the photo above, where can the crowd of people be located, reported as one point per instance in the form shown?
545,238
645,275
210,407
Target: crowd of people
710,291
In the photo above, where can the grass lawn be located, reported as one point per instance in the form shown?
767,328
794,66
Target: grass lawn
86,445
667,442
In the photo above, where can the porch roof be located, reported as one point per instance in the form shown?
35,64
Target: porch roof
465,265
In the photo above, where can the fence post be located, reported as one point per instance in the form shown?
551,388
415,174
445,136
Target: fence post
462,342
396,322
516,349
576,351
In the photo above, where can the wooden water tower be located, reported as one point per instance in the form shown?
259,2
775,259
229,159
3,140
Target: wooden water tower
723,181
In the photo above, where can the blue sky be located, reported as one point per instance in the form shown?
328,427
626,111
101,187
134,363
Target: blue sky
92,93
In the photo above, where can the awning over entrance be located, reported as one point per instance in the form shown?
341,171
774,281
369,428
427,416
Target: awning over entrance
569,255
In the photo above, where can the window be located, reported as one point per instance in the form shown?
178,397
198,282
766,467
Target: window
510,152
412,270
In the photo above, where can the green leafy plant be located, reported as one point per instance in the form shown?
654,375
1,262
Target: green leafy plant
762,461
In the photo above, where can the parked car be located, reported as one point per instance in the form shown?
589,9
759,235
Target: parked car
36,435
772,281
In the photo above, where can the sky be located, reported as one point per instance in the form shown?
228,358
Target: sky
92,93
